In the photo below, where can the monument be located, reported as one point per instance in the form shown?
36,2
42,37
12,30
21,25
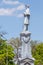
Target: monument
25,56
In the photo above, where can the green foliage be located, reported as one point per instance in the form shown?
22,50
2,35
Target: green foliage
37,52
6,53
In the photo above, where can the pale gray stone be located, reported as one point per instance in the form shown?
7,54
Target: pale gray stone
25,57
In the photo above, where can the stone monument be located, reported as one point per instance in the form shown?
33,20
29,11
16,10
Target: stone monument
25,57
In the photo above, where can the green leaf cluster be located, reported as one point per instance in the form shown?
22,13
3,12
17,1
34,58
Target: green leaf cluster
37,52
6,53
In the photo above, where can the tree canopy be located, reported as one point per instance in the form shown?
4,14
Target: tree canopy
6,53
37,52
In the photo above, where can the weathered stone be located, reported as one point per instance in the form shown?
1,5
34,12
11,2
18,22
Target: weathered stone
25,57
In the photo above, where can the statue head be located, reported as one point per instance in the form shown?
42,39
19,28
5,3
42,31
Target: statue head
27,6
27,11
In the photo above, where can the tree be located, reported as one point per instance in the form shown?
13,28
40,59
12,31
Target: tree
16,43
6,53
2,33
38,54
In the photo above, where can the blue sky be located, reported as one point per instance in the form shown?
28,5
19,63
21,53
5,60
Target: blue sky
11,18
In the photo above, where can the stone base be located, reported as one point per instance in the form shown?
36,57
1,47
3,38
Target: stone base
26,61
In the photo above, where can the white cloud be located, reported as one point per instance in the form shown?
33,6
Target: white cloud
11,2
20,15
6,11
12,11
20,7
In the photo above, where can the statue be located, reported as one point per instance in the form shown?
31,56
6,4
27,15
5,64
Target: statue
26,15
26,56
